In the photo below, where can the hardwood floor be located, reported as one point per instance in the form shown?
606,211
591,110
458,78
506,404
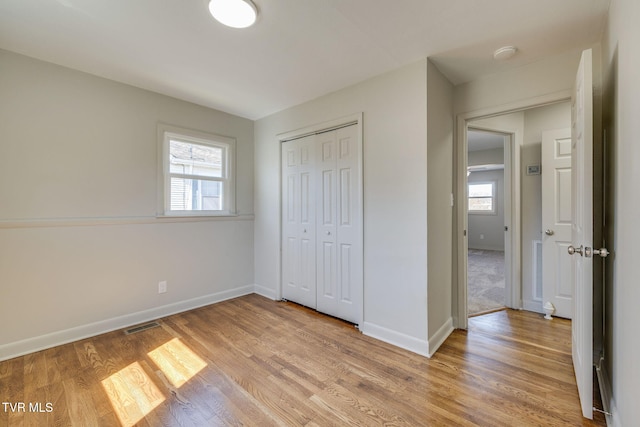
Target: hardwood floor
255,362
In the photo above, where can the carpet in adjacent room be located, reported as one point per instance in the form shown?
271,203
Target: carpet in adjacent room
485,281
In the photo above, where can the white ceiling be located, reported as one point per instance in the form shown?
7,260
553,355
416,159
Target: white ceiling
297,51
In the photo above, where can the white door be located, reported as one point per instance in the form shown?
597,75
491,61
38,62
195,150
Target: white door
557,272
298,221
582,231
339,224
322,247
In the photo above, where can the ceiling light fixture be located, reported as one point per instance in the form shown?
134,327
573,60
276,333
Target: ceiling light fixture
234,13
504,53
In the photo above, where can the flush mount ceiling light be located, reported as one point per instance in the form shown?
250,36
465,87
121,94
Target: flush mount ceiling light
234,13
504,53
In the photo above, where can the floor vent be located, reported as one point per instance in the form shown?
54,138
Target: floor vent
141,328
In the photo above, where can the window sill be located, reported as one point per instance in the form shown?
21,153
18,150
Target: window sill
197,214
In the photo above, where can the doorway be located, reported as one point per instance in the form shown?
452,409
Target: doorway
585,121
524,126
488,193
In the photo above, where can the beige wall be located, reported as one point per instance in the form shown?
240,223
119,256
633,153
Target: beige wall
439,209
501,91
536,121
490,226
395,198
81,249
621,61
486,231
493,156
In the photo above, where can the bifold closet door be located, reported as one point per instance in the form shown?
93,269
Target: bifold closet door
322,223
339,224
299,221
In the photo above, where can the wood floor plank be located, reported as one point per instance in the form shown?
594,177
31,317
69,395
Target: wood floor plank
251,361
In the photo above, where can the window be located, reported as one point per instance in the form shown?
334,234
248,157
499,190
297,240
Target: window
197,173
482,197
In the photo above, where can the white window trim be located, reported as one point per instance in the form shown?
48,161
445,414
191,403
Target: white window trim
167,132
494,185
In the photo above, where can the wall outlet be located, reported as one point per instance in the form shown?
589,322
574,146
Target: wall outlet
162,287
482,237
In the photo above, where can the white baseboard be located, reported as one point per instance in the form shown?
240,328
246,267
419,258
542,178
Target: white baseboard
30,345
488,248
440,336
265,292
396,338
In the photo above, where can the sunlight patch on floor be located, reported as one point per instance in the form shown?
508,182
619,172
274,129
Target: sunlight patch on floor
132,393
178,363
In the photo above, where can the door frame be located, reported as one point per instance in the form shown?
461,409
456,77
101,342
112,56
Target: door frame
508,161
352,119
463,121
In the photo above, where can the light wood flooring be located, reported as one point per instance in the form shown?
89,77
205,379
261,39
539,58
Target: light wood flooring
255,362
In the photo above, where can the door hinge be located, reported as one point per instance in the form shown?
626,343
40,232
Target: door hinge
464,233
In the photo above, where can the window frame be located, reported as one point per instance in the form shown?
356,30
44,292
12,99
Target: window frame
493,210
166,133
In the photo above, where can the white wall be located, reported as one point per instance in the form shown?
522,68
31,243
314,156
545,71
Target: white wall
395,204
621,61
439,209
81,248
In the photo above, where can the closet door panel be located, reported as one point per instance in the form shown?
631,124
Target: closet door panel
298,222
326,227
349,226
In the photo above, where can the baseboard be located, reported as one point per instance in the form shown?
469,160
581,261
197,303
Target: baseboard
395,338
487,249
440,336
265,292
534,306
42,342
606,393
